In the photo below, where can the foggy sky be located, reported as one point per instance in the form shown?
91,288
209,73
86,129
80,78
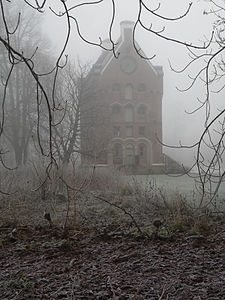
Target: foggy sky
194,28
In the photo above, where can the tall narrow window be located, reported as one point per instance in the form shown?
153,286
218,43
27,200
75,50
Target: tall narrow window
129,131
129,92
129,154
129,114
141,131
117,150
117,154
142,112
142,151
116,131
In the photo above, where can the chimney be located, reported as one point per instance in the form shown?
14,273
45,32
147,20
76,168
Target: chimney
126,28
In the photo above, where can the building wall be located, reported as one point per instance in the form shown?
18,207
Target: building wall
128,97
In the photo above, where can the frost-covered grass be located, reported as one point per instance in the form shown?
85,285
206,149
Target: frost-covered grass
170,183
187,186
145,197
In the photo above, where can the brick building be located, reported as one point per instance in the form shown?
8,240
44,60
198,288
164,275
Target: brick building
121,114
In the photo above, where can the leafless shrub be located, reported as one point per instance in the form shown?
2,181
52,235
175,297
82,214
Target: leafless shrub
105,179
88,198
150,201
30,194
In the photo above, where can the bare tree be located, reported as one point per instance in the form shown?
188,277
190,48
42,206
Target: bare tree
210,52
18,81
70,92
19,110
210,73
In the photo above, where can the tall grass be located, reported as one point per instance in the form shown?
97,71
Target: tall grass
90,197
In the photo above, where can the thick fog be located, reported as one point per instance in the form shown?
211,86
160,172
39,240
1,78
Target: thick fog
196,28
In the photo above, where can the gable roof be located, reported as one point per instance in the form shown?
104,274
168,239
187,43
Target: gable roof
107,56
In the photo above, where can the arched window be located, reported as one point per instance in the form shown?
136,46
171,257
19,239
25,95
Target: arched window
129,92
129,113
130,154
117,154
142,152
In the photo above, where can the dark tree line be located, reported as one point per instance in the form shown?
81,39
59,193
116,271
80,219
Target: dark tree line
37,108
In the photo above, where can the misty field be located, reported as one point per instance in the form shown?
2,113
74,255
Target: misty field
182,184
185,185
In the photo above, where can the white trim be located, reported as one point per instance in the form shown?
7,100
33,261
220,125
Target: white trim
110,59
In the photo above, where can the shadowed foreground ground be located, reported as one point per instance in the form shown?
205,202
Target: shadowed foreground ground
47,264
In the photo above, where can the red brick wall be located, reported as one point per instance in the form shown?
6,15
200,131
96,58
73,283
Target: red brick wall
150,117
